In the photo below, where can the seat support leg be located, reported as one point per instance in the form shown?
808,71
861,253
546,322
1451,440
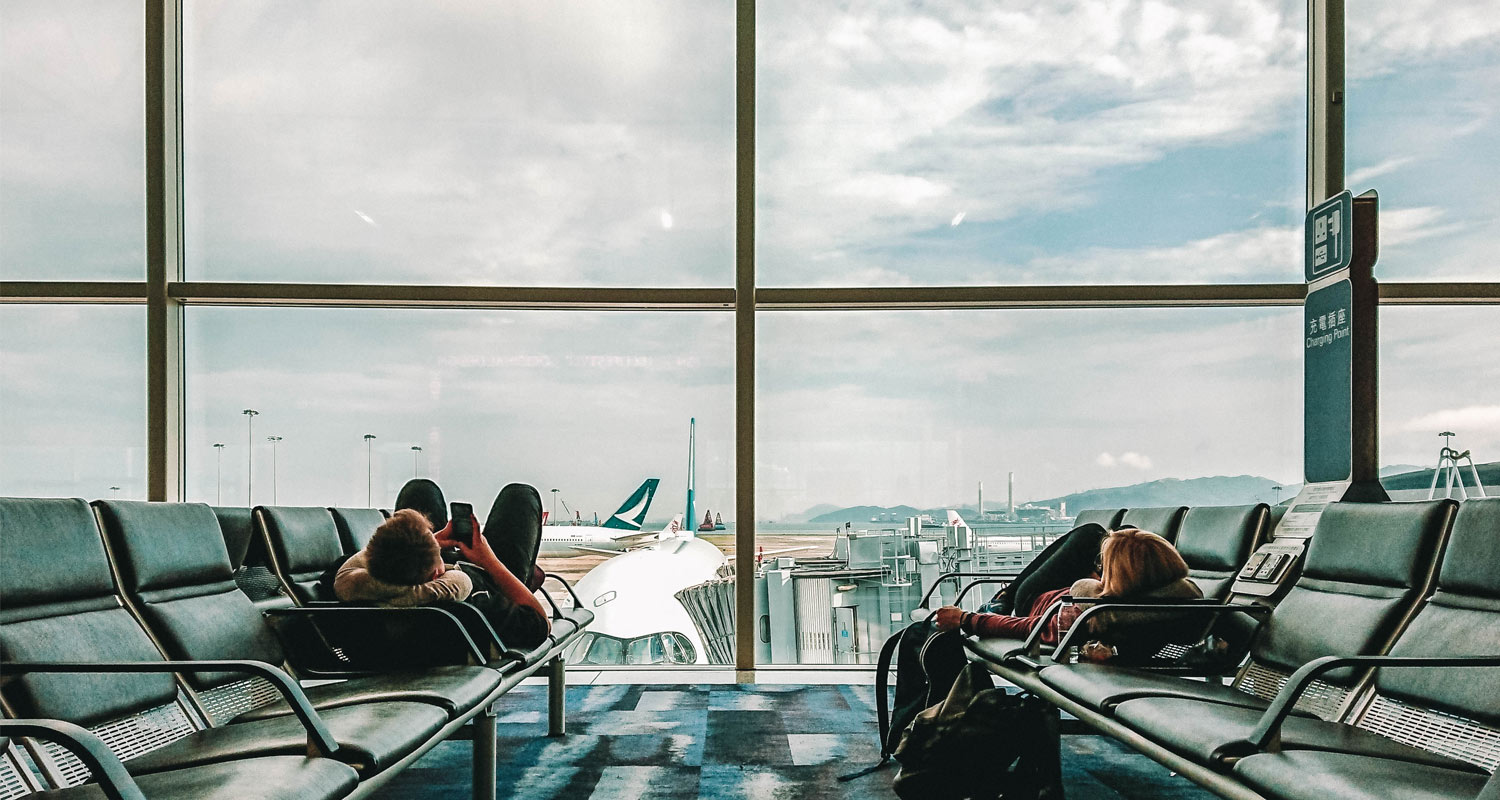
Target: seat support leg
484,754
557,697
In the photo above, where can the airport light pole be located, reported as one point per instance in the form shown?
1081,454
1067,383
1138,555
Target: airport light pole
416,455
114,491
273,440
250,415
1277,495
369,472
219,474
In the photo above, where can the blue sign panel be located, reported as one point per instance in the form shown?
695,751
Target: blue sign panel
1328,234
1327,398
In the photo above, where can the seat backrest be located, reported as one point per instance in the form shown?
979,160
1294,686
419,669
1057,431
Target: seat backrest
304,542
1367,566
1462,618
356,525
1108,518
1216,540
1277,512
58,603
174,569
1162,521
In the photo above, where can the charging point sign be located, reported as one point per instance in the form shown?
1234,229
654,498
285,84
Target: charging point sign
1328,236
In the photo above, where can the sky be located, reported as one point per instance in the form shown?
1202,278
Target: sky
583,144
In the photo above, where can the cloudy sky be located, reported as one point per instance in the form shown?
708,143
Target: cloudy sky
592,144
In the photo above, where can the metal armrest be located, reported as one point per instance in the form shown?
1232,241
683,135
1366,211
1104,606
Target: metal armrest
577,603
1100,605
994,577
444,621
103,764
1267,733
319,740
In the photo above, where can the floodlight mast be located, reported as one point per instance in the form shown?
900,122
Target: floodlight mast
250,415
273,440
369,471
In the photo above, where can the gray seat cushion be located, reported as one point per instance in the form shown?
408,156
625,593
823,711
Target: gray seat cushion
995,649
453,689
1210,732
1101,686
271,778
371,737
1312,775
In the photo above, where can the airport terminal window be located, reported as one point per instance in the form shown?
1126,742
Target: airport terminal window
385,141
72,168
1015,143
596,406
1437,374
72,401
1421,127
886,416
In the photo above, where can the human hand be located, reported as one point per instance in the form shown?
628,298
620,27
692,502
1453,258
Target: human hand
947,618
477,550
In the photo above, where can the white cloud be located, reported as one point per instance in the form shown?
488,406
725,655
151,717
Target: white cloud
1465,420
1105,460
1135,460
1364,175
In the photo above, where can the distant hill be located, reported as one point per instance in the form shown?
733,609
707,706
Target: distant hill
858,514
808,515
1222,490
1421,478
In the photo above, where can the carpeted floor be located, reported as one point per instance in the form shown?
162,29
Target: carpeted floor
762,742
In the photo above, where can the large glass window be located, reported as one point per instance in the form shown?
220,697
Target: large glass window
885,416
1422,131
593,409
1436,376
72,144
1016,143
383,141
73,401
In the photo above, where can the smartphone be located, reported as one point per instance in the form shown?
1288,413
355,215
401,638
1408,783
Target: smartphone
461,517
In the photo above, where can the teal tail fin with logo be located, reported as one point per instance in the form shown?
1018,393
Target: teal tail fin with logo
632,515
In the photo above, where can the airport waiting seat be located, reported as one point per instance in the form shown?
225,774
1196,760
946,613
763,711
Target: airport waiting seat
247,556
1350,599
176,576
265,778
1216,540
355,526
301,536
73,653
303,542
1163,521
1106,517
1452,711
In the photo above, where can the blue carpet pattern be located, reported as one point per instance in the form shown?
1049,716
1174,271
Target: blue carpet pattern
761,742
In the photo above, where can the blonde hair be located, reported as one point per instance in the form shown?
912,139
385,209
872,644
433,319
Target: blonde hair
1135,561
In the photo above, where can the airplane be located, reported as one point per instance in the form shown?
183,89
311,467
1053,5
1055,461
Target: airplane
637,618
615,535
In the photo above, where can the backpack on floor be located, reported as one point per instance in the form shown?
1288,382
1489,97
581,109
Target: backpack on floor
927,662
981,743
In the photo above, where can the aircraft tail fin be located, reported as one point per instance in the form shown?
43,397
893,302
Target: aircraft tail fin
632,515
954,520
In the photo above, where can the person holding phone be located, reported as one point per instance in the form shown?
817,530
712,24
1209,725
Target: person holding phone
402,565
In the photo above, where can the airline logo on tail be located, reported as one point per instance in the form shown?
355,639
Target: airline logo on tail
955,521
632,515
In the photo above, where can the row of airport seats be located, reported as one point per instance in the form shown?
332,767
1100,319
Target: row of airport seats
1376,675
133,665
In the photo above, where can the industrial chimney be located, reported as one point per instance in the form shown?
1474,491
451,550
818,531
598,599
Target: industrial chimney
1010,495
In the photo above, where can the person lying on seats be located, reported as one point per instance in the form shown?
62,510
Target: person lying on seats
1133,565
402,566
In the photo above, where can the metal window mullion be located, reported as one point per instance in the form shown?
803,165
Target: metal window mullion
1325,99
164,361
744,343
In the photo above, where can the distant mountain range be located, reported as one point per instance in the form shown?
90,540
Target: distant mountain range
1221,490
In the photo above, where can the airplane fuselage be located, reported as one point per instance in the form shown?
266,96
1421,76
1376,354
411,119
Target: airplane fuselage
563,541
